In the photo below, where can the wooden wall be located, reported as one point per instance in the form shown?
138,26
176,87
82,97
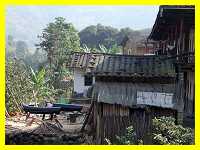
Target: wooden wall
189,94
182,36
111,120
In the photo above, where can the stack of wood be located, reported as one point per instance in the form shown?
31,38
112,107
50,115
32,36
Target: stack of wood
47,128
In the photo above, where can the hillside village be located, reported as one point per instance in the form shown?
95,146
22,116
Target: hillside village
131,92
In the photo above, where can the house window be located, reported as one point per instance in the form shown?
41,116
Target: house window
88,80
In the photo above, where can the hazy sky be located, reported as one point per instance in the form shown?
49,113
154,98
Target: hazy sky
136,17
26,22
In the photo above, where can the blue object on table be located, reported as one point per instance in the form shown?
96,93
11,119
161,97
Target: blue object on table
41,110
68,107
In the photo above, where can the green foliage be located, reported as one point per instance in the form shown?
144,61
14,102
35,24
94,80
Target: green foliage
65,72
10,44
21,49
102,49
129,138
165,131
93,36
18,49
38,78
24,85
59,39
36,60
18,86
113,50
41,89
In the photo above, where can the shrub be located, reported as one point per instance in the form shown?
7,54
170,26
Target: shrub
24,85
165,131
129,138
18,86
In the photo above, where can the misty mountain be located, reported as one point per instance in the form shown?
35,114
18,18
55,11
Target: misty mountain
27,24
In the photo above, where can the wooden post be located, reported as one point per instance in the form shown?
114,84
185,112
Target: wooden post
180,96
89,114
7,114
27,115
51,117
179,117
43,116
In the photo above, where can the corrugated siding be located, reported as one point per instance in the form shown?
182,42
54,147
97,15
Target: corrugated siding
126,93
123,65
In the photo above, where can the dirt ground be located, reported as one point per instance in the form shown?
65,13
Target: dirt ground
36,131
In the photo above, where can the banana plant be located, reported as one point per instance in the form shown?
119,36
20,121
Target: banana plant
39,83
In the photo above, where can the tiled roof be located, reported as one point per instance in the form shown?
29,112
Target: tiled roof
123,65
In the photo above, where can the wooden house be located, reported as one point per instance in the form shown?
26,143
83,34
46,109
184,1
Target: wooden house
82,81
174,33
129,90
131,45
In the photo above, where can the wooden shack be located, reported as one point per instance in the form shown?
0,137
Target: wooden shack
131,45
130,90
174,33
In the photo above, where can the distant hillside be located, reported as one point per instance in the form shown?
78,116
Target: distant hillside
23,28
96,35
25,23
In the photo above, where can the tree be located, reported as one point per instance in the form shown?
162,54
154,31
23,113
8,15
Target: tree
88,36
36,60
21,49
10,46
10,41
93,36
59,39
110,37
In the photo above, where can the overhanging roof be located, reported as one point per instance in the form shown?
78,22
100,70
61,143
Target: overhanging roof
168,15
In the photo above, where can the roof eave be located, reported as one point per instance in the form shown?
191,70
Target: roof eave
152,35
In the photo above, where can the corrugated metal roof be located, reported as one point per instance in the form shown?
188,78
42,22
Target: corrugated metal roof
123,65
126,93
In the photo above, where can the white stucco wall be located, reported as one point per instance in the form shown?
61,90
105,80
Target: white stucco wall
79,82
